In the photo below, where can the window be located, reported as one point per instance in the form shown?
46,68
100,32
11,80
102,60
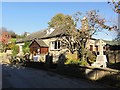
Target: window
104,48
96,48
55,45
91,47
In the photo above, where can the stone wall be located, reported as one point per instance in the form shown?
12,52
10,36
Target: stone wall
113,56
4,58
98,73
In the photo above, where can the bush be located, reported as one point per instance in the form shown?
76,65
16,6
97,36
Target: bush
90,57
12,46
26,48
83,63
70,61
76,62
15,50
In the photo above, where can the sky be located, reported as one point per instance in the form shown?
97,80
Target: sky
34,16
55,0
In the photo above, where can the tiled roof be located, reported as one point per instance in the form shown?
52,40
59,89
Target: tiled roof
38,34
35,35
112,42
42,34
40,42
20,40
56,32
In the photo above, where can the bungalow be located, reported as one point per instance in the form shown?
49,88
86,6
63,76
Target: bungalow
48,40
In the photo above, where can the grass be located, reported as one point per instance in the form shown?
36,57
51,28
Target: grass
114,65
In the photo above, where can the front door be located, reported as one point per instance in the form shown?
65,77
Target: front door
35,50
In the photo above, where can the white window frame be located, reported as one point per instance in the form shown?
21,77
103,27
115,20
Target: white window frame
52,45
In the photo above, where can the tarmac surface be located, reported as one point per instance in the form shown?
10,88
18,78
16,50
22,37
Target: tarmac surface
24,77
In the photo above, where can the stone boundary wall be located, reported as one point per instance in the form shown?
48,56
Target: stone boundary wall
113,56
95,73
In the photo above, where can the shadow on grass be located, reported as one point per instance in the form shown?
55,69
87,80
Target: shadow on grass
72,70
39,65
115,66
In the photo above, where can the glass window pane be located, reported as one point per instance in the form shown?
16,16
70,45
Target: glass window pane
55,47
58,44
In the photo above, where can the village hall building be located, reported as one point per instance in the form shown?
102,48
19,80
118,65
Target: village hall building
48,40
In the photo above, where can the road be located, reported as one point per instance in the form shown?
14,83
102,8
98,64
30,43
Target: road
23,77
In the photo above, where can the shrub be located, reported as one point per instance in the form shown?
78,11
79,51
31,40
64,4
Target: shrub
83,63
15,50
70,61
12,46
26,48
90,57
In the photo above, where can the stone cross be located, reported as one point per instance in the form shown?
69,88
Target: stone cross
101,44
101,59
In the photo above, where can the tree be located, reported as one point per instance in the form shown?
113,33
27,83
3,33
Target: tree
26,48
4,38
95,23
3,29
118,37
115,6
12,33
12,46
92,23
59,20
15,50
65,23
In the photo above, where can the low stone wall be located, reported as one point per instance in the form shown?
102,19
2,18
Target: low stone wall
98,73
4,58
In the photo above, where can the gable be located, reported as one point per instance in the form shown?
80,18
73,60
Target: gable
39,43
34,44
